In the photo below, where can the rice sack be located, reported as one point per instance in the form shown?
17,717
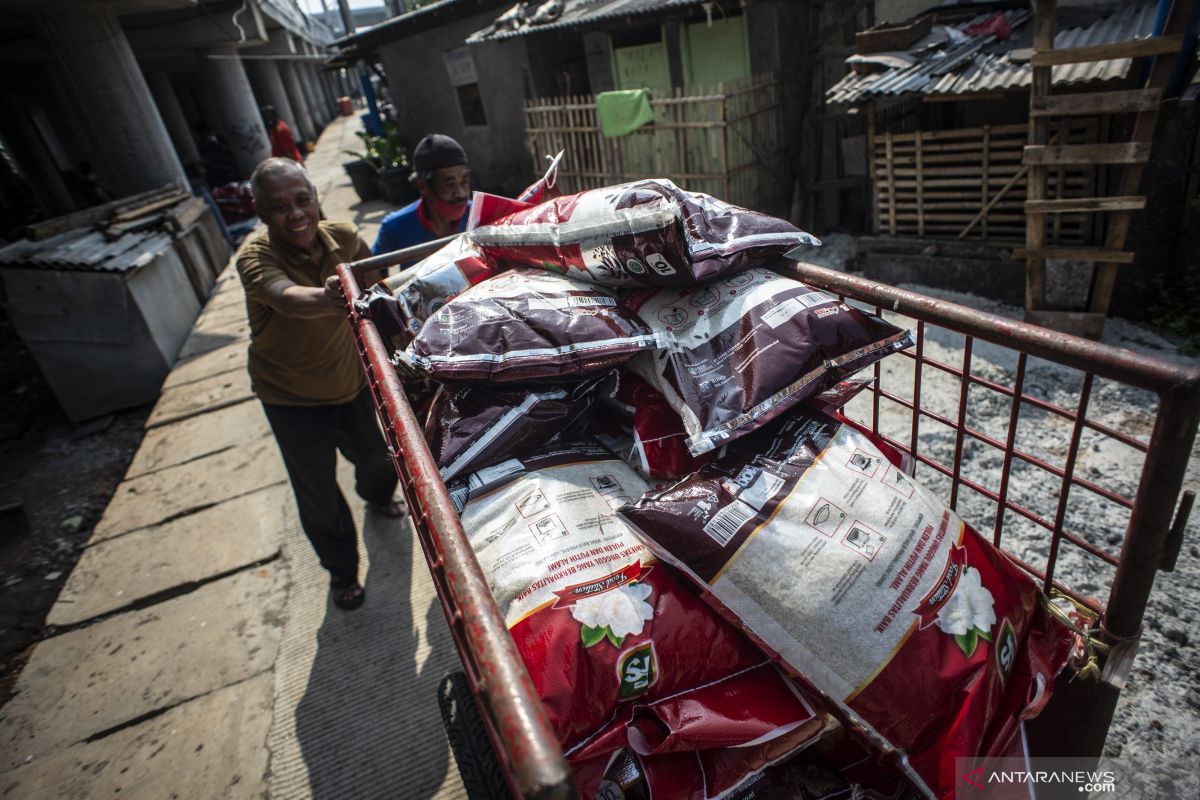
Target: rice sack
743,349
868,588
644,233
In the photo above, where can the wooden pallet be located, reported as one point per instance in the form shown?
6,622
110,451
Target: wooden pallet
1040,154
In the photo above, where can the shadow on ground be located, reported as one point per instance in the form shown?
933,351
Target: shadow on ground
360,726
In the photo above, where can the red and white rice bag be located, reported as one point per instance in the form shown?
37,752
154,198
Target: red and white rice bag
528,325
471,426
607,633
644,233
868,587
650,435
424,288
745,348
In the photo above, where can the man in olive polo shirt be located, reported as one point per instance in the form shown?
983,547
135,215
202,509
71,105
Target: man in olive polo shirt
304,367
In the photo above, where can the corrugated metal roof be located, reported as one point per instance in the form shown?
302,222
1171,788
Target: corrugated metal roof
85,249
983,63
526,18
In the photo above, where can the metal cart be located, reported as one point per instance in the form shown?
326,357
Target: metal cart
1077,719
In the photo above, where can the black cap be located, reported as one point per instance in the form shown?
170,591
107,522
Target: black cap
437,150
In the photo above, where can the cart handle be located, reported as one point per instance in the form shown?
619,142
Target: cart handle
401,256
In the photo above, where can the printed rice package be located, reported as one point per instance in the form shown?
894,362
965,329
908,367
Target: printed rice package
528,325
743,349
868,588
471,426
429,284
645,233
609,634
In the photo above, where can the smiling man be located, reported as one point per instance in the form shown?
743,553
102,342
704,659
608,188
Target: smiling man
304,367
442,177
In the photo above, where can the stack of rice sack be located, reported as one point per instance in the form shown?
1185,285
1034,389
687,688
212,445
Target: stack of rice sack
705,566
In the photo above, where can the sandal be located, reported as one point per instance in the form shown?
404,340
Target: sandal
393,510
347,595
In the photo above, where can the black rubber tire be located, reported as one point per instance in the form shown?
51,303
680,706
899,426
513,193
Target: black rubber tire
478,764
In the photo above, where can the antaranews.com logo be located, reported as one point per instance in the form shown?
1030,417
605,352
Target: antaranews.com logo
1071,779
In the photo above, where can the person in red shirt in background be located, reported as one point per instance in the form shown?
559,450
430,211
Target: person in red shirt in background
283,141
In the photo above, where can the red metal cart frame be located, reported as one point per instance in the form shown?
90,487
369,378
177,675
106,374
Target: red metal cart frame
515,720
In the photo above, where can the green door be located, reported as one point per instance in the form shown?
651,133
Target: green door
716,53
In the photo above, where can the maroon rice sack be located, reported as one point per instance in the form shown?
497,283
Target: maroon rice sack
607,633
528,325
471,426
873,592
745,348
645,233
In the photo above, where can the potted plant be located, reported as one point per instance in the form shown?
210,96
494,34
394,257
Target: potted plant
364,169
394,169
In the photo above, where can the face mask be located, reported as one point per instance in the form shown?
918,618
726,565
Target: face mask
451,212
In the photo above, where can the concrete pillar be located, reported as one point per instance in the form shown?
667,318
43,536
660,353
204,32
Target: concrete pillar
111,96
239,119
268,87
295,92
167,101
315,105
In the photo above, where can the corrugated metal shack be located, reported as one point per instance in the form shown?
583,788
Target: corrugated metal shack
104,298
946,118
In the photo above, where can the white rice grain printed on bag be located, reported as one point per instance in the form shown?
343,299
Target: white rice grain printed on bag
528,325
868,587
743,349
622,653
644,233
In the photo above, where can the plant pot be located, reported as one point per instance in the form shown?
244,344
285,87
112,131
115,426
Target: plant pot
396,187
363,176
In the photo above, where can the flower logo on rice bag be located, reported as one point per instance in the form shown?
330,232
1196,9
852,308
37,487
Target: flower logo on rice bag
614,614
969,613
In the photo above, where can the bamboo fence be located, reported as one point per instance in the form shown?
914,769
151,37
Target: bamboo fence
970,183
727,140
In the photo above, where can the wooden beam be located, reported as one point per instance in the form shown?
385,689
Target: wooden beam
1110,153
1077,254
1136,48
1083,205
1124,102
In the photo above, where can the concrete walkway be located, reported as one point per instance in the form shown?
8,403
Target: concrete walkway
196,653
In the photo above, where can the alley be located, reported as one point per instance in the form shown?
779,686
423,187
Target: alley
196,652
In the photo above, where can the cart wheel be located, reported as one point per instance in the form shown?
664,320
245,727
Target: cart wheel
478,765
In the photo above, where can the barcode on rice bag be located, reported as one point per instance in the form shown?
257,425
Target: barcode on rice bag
571,301
591,300
728,521
815,299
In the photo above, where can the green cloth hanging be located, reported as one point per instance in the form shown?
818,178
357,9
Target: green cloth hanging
623,112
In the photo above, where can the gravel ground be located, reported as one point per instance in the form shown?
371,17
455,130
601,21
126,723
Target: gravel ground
1157,723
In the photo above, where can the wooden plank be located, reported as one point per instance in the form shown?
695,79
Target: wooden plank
1039,134
1123,102
920,189
891,186
985,164
1135,48
1085,205
1077,254
1105,276
871,167
1104,153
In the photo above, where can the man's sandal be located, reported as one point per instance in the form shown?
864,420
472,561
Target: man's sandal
346,595
393,510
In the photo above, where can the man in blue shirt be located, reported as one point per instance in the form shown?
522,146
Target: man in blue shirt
441,175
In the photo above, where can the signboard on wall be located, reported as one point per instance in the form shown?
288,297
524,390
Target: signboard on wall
460,66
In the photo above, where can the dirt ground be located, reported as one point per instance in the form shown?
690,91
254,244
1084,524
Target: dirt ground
55,481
